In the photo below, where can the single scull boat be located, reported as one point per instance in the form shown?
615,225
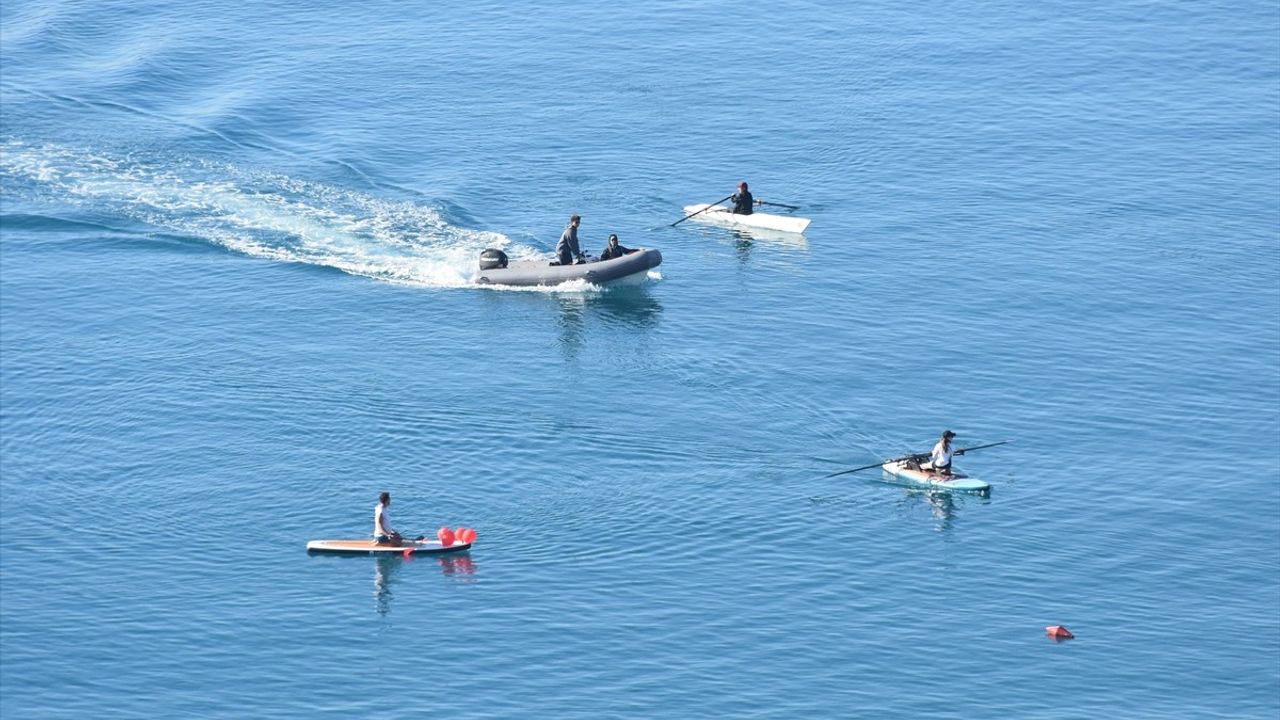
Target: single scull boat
720,215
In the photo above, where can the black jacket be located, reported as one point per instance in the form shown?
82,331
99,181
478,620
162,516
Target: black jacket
743,203
616,253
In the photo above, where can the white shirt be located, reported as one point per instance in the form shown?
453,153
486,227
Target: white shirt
941,455
383,513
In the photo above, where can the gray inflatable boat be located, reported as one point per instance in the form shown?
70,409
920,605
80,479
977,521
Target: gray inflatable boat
496,270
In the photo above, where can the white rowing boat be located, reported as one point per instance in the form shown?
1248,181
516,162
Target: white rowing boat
956,482
720,215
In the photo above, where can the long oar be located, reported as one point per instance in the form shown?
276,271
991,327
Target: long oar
789,207
961,451
868,467
686,217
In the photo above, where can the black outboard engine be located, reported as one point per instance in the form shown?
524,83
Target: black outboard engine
492,259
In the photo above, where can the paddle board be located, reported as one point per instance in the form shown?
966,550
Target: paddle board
956,482
369,547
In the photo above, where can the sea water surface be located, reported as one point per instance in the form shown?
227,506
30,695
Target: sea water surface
237,245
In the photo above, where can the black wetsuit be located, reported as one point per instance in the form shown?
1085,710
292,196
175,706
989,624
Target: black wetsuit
743,203
611,253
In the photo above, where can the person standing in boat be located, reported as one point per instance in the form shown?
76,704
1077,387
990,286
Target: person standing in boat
940,457
743,203
614,250
567,249
383,533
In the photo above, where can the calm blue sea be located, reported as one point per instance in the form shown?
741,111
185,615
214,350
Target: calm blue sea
237,245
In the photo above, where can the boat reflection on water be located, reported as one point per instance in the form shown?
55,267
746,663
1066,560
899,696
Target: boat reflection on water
627,304
630,305
787,240
943,506
461,565
745,240
387,567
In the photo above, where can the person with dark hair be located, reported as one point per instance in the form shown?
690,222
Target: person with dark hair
614,250
567,249
383,533
940,457
743,203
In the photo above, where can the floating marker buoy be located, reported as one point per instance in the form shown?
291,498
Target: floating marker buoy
466,535
446,536
1057,632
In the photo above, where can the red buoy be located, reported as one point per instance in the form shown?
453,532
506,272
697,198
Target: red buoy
1057,632
407,552
445,535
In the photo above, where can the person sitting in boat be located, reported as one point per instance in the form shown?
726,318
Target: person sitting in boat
940,458
742,201
567,248
383,533
614,250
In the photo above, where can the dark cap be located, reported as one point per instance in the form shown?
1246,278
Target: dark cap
613,237
742,185
948,434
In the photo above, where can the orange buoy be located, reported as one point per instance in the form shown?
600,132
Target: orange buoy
1057,632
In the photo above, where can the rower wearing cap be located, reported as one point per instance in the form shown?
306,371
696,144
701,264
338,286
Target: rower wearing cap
742,201
940,458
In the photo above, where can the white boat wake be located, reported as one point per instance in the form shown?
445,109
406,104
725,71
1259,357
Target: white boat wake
257,213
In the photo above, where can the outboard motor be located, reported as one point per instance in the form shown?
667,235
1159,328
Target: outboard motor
492,259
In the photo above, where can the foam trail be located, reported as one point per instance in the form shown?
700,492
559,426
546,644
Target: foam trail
257,213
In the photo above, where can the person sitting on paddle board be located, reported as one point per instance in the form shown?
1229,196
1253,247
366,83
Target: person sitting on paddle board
383,533
742,201
614,250
940,458
567,248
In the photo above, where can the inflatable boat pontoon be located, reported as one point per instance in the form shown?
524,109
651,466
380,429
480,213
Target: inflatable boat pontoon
496,270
